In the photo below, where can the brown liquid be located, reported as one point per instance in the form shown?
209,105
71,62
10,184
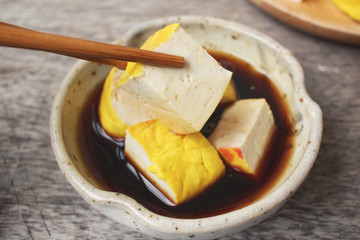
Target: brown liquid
107,162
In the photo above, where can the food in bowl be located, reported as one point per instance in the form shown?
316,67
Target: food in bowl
177,173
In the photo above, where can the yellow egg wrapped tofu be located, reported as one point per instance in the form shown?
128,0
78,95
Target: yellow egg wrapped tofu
180,166
183,99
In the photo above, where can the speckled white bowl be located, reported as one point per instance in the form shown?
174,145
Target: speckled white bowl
265,55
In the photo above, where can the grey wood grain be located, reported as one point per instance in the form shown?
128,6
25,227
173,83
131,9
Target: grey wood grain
36,201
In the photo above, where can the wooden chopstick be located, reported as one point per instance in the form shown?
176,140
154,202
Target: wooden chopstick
15,36
116,63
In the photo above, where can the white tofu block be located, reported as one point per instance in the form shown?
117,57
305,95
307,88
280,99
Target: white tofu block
130,110
243,134
183,99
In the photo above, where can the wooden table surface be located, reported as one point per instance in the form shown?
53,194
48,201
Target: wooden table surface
36,201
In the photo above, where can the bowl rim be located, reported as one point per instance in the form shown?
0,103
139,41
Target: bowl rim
273,200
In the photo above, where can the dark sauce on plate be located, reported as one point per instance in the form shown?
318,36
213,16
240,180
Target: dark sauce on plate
107,162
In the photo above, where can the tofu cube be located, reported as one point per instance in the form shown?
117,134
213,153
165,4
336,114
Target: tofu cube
180,166
119,109
183,99
243,134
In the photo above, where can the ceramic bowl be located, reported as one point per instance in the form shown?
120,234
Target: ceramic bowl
263,53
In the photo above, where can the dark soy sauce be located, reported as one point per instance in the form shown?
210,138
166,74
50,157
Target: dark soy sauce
107,162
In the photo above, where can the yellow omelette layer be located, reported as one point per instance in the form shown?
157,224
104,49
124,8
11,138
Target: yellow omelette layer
188,163
350,7
134,69
229,94
109,120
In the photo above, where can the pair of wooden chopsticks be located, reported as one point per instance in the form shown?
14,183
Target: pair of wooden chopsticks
111,54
